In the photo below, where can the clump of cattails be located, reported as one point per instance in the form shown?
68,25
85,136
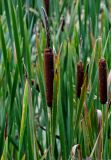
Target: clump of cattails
46,3
80,77
48,65
102,81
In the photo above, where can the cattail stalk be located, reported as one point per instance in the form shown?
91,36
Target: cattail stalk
103,94
80,77
48,64
49,75
102,81
46,3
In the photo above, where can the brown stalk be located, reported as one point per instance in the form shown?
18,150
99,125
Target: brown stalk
46,3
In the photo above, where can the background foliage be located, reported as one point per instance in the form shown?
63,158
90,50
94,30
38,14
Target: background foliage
28,128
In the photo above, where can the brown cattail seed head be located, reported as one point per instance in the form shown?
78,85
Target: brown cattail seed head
102,81
46,2
80,77
49,75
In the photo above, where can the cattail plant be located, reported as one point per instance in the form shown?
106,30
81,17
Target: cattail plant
48,65
102,81
46,3
80,77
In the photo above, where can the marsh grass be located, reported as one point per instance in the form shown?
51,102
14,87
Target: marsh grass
28,128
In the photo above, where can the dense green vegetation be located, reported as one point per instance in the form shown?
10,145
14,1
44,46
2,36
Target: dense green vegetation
73,128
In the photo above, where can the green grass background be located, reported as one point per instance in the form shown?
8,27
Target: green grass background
32,130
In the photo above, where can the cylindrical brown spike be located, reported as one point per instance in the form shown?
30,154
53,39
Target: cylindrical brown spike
80,77
49,75
46,2
102,81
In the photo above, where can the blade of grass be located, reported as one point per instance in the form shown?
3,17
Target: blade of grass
16,38
5,57
24,117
